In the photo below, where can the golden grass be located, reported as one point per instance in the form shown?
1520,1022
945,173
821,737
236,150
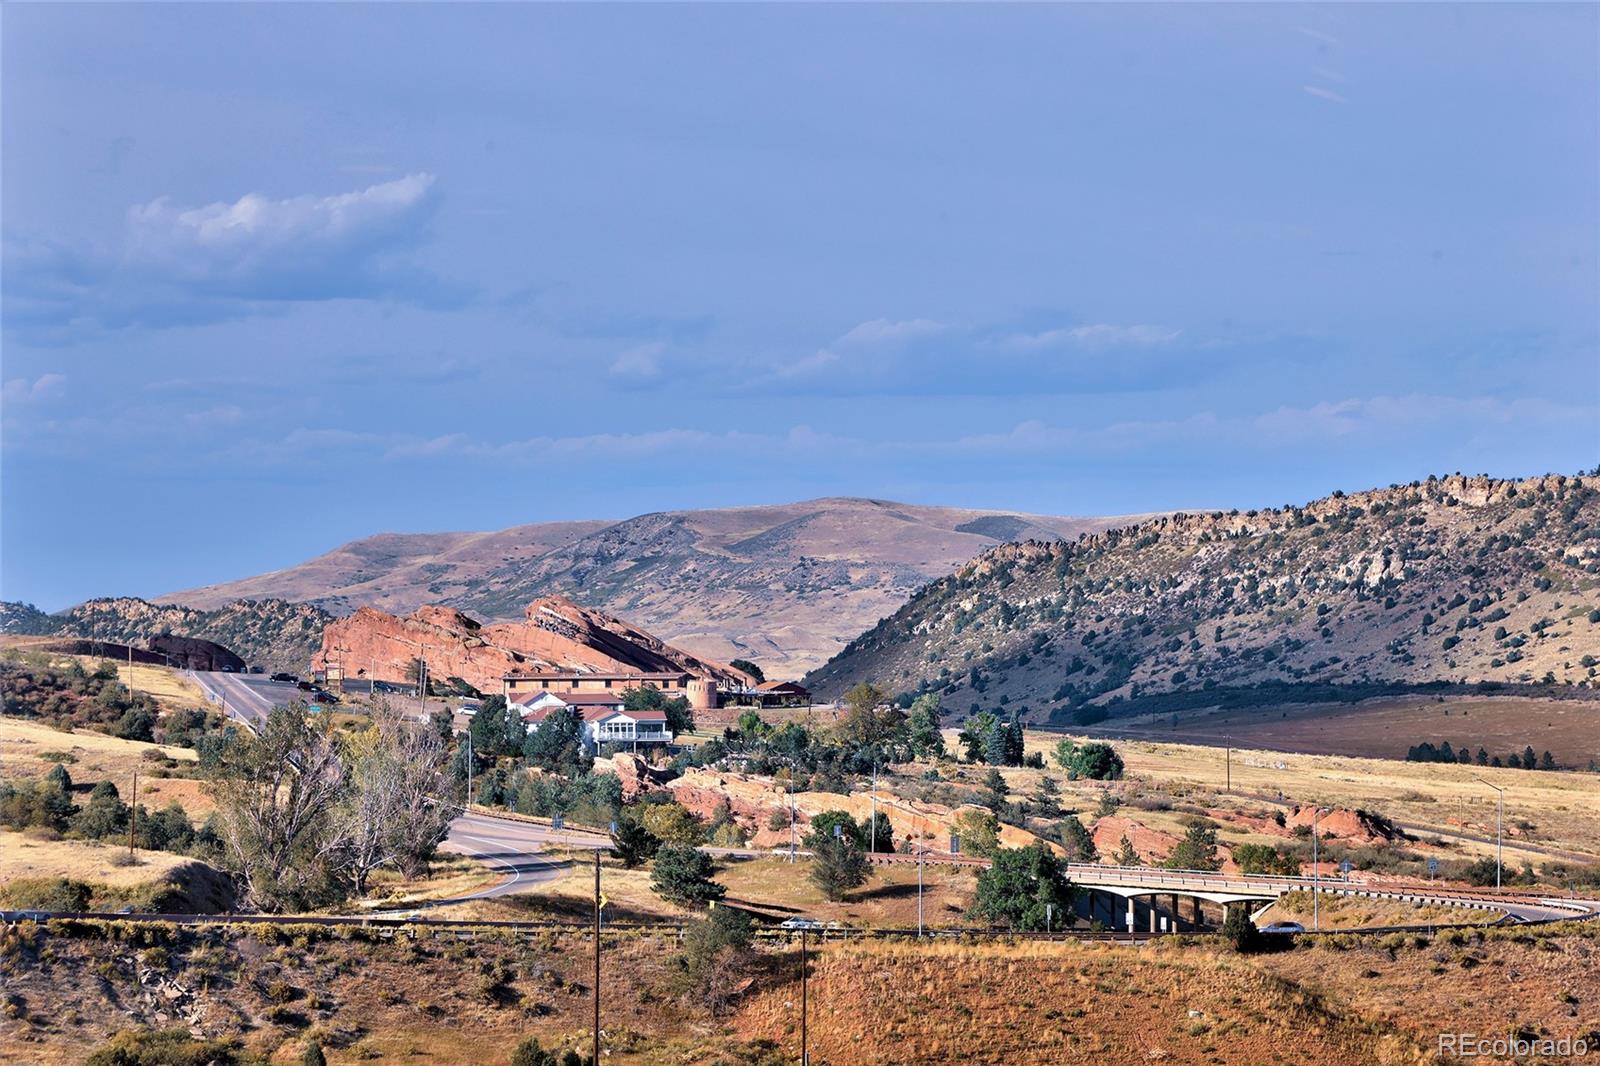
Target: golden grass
23,856
1355,912
171,688
24,745
1563,808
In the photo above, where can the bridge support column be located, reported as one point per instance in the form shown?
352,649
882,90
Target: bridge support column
1175,913
1130,914
1155,906
1195,911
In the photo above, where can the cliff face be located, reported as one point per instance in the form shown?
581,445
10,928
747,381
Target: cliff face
1452,580
555,634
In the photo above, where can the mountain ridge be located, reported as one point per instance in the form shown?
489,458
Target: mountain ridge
783,584
1455,580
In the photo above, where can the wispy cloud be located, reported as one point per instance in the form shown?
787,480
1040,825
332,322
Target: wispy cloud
174,264
1324,94
1098,335
22,390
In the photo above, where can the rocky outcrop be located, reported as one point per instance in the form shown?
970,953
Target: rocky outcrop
556,634
192,653
1153,845
1360,826
636,775
753,801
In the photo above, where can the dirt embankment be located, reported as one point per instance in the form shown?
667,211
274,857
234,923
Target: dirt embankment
469,1000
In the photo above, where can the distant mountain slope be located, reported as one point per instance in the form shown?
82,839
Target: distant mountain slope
272,634
1453,579
395,571
784,585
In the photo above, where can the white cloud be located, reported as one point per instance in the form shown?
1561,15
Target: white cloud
874,340
175,264
638,366
1095,336
21,390
1324,94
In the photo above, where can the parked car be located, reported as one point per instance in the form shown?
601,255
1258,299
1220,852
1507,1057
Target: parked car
324,697
1283,927
800,923
304,686
281,676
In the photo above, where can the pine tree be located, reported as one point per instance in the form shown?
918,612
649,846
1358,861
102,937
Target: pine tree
837,865
1125,855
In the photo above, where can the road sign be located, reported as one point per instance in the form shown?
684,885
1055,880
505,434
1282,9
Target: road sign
1344,867
556,822
613,825
955,843
604,899
838,831
1433,867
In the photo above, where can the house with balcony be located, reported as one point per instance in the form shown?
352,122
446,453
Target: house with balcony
605,721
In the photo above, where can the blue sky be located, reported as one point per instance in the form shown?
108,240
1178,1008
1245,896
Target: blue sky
279,276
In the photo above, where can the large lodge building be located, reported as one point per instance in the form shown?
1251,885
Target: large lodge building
703,693
520,688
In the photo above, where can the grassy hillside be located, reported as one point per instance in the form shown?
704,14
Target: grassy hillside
272,634
257,994
1453,580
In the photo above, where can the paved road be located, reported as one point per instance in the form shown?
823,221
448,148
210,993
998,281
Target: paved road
515,848
249,698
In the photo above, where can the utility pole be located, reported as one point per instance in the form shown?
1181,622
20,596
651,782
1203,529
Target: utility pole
1499,828
133,812
791,812
133,693
596,1059
469,767
422,683
805,1055
1316,871
872,834
1230,763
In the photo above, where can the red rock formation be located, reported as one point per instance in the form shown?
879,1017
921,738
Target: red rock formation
754,800
636,775
1362,826
557,635
1153,845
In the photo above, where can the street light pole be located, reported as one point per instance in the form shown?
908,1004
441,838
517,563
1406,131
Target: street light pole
1499,827
922,848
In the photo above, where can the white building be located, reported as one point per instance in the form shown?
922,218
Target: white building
604,720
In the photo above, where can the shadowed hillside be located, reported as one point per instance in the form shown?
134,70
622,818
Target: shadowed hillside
1454,580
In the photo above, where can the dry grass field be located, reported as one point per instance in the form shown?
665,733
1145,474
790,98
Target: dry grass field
23,855
1386,728
171,688
454,1001
1354,912
768,886
1548,809
29,749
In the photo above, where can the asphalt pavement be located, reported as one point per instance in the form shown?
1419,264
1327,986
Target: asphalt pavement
248,698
